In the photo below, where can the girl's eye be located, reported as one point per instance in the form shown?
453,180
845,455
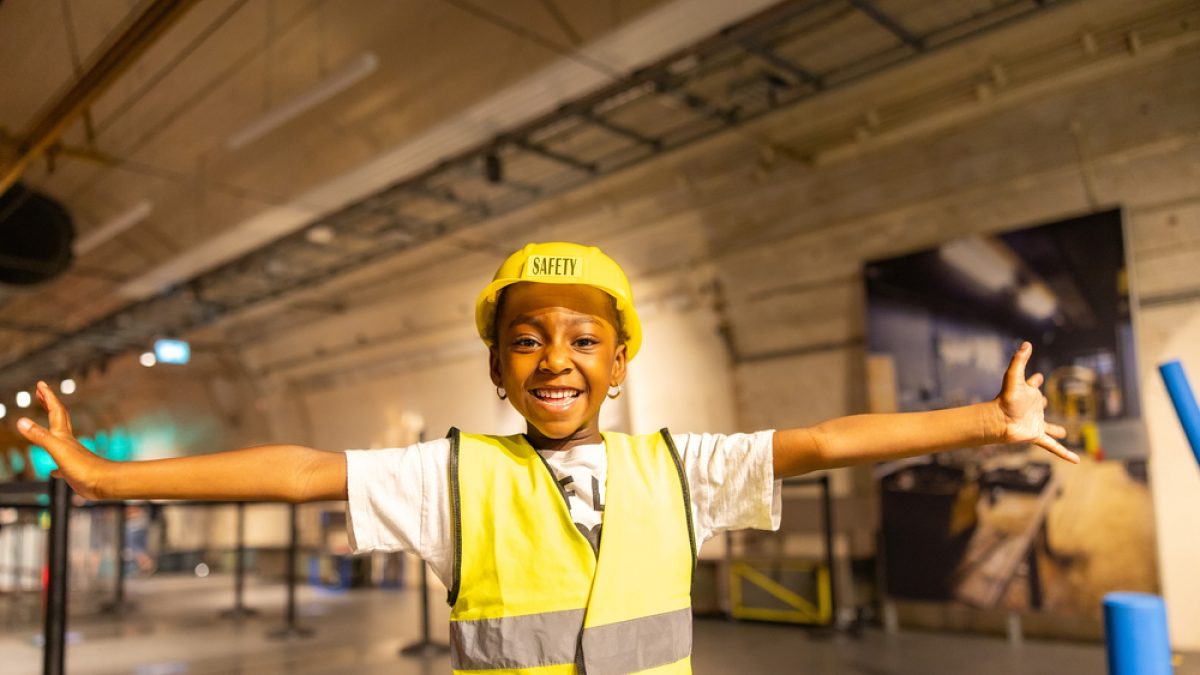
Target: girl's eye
587,342
526,342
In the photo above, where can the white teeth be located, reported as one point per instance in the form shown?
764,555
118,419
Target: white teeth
555,394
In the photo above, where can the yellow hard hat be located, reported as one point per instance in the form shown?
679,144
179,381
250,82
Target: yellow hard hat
562,263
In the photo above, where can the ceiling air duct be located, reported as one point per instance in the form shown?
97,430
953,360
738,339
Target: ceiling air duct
36,234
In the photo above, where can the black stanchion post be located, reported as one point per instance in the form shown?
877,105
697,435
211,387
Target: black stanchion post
117,605
830,561
426,646
291,568
239,608
292,629
55,629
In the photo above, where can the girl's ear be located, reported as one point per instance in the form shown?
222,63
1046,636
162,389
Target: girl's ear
494,366
618,369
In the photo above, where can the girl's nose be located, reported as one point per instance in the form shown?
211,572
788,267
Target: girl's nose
555,359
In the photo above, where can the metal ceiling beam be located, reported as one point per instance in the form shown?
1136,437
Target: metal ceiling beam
698,104
45,131
711,66
893,26
32,328
529,146
781,63
447,195
619,130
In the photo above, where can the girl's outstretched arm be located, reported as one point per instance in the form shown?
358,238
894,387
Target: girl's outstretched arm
290,473
1016,415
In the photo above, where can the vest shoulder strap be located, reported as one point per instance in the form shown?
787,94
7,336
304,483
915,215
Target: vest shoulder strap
455,517
687,493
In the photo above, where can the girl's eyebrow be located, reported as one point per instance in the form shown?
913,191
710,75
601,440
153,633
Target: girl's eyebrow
525,318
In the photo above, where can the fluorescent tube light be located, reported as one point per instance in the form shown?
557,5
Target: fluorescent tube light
113,227
326,89
982,261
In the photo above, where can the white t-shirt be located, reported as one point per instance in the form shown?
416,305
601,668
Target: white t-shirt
400,497
581,473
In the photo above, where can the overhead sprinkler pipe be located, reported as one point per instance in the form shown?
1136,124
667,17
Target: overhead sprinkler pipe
120,55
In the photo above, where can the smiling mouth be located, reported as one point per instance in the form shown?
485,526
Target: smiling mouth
556,397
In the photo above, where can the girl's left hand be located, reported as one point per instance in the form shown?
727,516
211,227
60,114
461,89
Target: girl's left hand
1023,406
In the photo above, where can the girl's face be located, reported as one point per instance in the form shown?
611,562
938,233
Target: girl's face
557,352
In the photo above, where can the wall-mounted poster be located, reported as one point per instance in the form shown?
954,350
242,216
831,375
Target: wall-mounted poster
1010,527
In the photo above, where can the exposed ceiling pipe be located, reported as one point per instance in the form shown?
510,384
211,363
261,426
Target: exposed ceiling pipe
50,126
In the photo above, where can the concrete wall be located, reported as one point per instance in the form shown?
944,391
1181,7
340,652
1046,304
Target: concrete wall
1172,331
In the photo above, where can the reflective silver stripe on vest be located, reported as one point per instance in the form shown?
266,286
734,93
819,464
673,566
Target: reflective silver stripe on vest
550,639
638,644
516,641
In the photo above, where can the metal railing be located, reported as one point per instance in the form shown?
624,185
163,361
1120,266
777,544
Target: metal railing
54,625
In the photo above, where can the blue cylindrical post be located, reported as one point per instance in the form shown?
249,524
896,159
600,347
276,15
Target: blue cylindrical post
1135,630
1185,402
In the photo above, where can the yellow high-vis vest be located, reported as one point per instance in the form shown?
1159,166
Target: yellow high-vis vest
530,596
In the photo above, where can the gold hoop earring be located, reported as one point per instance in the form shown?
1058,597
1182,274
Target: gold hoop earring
611,394
501,393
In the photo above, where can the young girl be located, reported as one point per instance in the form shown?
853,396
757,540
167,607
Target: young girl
565,549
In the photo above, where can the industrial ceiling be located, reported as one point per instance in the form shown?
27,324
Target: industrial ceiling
172,132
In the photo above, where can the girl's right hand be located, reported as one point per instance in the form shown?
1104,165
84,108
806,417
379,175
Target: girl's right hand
79,466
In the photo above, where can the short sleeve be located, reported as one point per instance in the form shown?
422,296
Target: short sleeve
732,481
399,501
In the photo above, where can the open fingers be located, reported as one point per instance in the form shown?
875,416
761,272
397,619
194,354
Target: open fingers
1056,430
1016,367
40,435
1057,448
74,461
60,420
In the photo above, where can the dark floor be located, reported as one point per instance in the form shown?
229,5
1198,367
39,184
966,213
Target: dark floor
174,629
